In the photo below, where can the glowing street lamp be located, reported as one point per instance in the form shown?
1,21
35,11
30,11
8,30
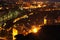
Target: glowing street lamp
35,30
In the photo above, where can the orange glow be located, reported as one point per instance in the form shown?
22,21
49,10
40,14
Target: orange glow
45,21
34,29
39,5
0,28
15,32
44,5
0,8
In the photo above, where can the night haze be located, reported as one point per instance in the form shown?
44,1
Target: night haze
29,19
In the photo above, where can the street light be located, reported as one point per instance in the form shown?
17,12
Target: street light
35,29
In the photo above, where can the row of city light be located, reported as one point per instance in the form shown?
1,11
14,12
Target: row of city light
34,29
